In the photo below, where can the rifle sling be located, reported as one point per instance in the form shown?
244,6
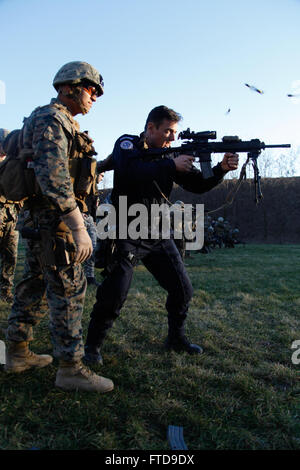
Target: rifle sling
230,196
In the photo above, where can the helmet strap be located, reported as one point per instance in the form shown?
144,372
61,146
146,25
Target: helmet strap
75,93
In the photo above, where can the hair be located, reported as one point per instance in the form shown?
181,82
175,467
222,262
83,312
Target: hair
158,114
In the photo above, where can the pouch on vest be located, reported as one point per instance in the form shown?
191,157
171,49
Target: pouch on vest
28,230
17,178
58,248
82,168
65,248
85,179
47,246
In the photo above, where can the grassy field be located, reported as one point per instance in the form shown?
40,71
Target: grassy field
242,393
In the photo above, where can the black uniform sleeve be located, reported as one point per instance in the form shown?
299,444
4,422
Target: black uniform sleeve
130,164
105,165
194,182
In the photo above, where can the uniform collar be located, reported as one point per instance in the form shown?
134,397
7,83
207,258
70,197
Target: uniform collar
65,110
142,141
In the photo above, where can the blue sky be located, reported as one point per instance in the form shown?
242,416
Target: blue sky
194,56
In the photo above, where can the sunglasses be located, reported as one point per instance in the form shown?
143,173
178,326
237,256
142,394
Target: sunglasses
91,90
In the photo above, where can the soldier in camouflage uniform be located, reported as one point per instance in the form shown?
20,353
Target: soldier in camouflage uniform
8,237
51,136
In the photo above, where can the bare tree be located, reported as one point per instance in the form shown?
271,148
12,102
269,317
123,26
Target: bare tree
271,165
286,163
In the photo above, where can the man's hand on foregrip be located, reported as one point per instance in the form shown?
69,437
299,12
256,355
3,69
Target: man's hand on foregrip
230,162
74,221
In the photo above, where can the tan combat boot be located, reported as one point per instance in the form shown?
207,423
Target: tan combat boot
75,376
20,358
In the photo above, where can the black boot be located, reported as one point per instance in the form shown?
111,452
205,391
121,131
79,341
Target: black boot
92,355
180,343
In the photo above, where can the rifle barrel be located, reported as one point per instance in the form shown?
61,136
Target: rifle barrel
278,145
217,147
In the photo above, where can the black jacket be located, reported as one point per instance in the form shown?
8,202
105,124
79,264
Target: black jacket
138,179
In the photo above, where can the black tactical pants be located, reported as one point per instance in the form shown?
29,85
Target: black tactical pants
163,260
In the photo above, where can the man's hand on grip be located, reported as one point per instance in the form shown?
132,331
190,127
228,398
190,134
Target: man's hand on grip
184,163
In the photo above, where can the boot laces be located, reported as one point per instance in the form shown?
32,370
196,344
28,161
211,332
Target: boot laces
85,372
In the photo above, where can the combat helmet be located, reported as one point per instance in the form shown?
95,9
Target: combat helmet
75,72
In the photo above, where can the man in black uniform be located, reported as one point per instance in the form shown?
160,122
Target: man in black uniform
147,183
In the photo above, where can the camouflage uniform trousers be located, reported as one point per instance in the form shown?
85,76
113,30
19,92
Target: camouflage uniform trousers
65,288
89,265
9,238
33,284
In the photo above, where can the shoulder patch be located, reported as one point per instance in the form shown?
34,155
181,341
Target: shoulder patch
126,144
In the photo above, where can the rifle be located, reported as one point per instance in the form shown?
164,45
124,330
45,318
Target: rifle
198,145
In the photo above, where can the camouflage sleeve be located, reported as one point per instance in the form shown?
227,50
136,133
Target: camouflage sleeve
51,163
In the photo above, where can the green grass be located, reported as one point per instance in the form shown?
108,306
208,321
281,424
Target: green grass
242,393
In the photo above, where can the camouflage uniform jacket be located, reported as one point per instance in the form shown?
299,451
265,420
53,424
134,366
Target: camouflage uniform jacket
49,132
